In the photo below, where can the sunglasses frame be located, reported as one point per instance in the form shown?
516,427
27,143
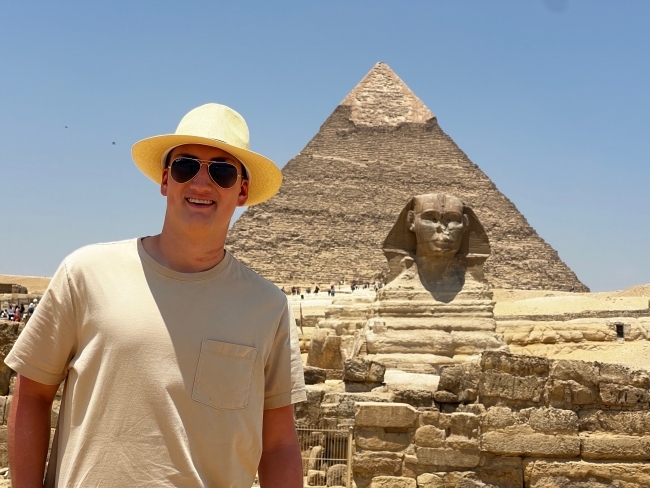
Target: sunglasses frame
201,163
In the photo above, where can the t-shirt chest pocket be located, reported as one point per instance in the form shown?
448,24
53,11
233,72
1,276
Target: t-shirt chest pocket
224,375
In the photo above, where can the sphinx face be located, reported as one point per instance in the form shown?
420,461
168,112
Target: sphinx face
438,223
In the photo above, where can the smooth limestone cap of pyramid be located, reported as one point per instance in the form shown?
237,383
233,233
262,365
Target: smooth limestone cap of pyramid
382,99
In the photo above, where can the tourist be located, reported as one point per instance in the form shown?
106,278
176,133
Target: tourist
10,314
17,314
316,290
184,364
30,309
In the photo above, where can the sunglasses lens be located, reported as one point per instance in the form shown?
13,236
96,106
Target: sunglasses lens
184,169
223,174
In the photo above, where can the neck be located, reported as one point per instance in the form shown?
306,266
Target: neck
185,253
432,267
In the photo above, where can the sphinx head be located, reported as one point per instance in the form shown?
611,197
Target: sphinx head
439,223
433,230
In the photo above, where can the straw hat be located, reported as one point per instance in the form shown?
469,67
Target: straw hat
217,126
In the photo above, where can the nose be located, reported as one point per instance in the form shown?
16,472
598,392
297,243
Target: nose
202,180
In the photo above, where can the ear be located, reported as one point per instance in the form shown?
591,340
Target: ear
164,182
410,218
242,198
465,221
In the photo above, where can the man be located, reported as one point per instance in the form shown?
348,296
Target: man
181,364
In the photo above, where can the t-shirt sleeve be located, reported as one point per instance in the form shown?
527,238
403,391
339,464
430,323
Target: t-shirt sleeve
48,341
284,378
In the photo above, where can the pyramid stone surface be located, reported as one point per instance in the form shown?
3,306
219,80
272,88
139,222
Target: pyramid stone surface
345,189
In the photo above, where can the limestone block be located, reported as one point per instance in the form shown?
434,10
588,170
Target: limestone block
430,436
410,341
436,418
463,424
391,415
457,479
612,446
620,395
355,387
315,478
622,422
526,389
414,397
581,372
498,418
315,458
546,473
308,413
445,397
500,472
342,405
336,475
400,380
461,442
461,380
393,482
380,440
516,442
314,375
565,394
368,464
553,420
624,375
448,458
363,370
325,350
516,365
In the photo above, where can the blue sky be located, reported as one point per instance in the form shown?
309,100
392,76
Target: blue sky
550,99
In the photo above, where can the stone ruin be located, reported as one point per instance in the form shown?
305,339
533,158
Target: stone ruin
505,421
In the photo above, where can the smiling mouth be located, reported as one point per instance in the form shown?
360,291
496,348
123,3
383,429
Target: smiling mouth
197,201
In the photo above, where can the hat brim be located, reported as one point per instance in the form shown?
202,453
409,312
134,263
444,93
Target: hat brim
265,176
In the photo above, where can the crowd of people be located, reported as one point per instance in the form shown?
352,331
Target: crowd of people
331,291
16,313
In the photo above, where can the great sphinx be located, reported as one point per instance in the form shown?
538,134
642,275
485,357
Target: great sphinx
437,308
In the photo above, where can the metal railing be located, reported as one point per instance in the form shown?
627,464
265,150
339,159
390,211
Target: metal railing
326,456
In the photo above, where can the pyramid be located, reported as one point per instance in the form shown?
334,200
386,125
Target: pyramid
344,191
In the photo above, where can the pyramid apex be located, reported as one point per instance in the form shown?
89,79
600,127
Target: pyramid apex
382,98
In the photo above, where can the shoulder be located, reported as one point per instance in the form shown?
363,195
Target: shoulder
255,283
100,255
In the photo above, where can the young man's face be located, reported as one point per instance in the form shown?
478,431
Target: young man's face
200,206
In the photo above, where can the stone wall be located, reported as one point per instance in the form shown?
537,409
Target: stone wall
512,421
548,334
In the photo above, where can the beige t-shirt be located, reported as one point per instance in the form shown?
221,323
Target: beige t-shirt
167,373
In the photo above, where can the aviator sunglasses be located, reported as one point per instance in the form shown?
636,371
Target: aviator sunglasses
185,168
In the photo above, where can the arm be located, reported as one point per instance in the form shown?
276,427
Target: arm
281,465
29,431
